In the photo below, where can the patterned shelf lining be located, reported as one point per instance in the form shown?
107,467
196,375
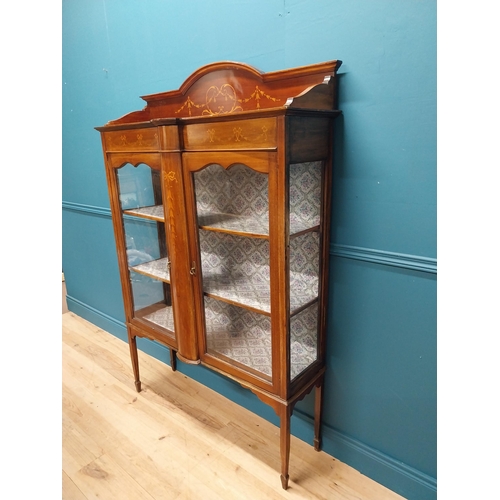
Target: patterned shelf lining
245,336
239,334
240,290
303,340
236,268
237,191
154,269
163,317
237,199
154,212
244,291
305,194
304,269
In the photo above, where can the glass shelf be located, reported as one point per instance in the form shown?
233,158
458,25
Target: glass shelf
154,212
157,269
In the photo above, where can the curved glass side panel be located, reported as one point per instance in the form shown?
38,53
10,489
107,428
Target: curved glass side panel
304,270
305,181
305,195
303,340
145,240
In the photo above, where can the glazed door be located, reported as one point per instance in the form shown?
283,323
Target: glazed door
144,248
230,215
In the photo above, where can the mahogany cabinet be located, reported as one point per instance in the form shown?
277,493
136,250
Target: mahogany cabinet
220,199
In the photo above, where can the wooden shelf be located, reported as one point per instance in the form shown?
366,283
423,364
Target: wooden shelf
253,293
244,337
156,269
235,224
253,227
154,212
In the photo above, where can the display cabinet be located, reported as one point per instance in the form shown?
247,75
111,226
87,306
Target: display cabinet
220,195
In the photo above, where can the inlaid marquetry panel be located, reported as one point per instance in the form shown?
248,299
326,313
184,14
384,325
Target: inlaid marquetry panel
240,134
140,139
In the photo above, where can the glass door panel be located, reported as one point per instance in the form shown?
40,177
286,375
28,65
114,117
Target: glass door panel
239,334
305,181
147,255
233,200
233,230
236,269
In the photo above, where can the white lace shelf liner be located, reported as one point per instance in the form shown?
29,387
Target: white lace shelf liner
157,269
248,226
255,294
154,212
163,317
245,337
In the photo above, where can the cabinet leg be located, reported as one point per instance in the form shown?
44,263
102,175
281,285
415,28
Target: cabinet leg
318,406
285,414
173,360
135,361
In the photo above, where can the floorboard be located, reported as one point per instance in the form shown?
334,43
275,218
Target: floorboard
177,439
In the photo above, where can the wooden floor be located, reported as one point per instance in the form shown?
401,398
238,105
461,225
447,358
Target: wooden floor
176,439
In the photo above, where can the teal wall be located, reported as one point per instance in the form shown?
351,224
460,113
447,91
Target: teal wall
380,404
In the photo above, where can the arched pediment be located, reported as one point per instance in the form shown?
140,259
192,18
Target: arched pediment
226,88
